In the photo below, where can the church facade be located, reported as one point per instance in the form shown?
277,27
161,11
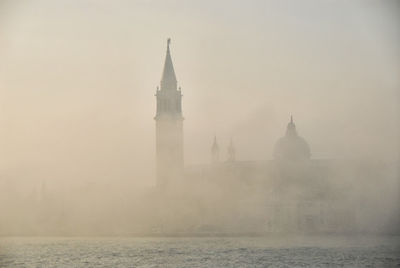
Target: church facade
292,192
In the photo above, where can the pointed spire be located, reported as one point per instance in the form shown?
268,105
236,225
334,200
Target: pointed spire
231,151
168,79
215,146
291,119
215,151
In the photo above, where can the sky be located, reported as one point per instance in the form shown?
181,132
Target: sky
78,78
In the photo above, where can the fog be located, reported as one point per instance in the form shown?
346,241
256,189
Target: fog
77,107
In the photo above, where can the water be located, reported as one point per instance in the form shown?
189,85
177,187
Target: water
312,251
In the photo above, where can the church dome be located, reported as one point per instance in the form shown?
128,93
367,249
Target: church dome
291,146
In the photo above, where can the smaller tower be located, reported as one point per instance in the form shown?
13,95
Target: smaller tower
215,151
231,152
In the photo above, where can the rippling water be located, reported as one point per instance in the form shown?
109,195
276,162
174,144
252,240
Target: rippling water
314,251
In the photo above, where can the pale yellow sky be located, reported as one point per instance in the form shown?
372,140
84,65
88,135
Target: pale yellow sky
77,80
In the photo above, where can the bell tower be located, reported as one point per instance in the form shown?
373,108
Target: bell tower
169,126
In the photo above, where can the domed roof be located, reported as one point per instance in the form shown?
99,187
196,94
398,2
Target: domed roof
291,146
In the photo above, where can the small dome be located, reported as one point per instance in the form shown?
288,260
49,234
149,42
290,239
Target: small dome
291,146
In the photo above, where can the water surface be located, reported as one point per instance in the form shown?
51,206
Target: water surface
310,251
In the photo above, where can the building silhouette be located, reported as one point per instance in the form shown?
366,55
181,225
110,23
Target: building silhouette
169,126
291,192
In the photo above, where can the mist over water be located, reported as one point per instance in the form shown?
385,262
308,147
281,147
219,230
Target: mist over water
78,145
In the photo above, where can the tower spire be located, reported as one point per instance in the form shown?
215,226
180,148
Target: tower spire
169,126
168,79
215,151
231,152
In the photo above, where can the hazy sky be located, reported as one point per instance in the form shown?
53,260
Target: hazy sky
77,81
